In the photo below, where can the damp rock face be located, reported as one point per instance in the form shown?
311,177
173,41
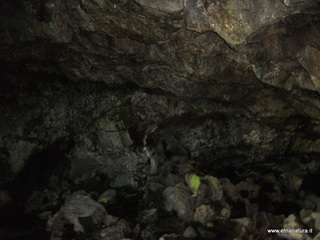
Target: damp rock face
138,96
251,77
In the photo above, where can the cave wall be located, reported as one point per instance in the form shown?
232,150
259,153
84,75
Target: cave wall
220,82
136,95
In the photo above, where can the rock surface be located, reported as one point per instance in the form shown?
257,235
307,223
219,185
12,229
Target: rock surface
133,95
251,76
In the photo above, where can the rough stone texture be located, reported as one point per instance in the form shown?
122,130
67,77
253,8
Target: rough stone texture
196,78
178,199
110,92
78,205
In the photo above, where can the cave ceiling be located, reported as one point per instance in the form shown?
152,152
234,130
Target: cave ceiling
190,77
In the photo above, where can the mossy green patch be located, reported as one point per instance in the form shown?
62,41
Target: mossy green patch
104,200
209,225
194,183
214,182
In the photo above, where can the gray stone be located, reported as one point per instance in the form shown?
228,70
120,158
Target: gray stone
190,233
110,220
112,233
179,200
19,154
204,214
291,222
125,226
78,205
148,216
317,237
172,180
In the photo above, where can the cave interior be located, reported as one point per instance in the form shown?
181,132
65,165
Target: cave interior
159,119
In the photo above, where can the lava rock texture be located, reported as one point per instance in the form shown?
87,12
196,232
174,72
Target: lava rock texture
136,95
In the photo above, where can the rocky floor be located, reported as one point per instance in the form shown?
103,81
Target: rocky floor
180,200
85,161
